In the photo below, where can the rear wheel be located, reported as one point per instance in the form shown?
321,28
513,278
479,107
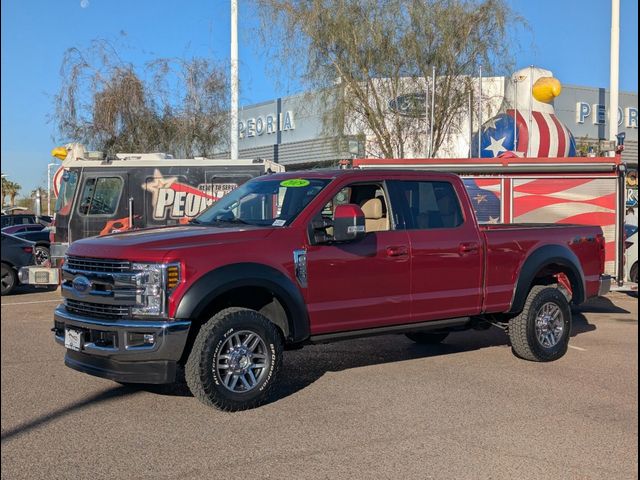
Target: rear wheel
633,273
425,338
42,256
235,360
9,279
541,332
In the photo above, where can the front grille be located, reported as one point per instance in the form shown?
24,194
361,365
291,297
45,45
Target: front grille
96,265
96,309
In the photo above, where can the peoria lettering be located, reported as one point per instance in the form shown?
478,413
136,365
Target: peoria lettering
180,200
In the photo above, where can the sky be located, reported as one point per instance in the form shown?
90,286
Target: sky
568,37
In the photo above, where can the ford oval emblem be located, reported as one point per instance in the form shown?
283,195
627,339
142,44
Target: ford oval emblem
81,284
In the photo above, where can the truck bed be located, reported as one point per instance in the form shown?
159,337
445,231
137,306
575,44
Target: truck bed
509,245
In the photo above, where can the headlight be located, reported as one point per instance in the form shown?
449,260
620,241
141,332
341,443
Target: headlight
154,282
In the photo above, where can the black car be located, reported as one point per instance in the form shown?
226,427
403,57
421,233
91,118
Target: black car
23,218
16,253
42,242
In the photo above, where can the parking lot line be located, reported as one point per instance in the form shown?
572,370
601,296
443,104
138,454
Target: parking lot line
31,303
578,348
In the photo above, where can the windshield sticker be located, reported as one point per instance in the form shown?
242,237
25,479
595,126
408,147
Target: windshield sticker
279,223
295,182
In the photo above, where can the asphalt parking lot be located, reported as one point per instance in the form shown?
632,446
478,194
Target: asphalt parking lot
381,407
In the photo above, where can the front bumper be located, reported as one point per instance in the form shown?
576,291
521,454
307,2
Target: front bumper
35,275
605,285
112,348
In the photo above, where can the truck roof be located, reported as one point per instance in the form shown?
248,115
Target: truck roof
377,173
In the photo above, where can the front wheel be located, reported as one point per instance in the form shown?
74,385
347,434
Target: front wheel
541,332
9,279
235,360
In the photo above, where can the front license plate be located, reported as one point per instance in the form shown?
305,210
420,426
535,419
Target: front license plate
73,339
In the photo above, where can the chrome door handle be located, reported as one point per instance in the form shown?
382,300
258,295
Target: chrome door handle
466,248
397,251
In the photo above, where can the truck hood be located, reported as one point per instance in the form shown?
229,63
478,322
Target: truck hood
153,244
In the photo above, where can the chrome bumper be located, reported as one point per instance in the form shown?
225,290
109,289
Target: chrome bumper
605,285
112,348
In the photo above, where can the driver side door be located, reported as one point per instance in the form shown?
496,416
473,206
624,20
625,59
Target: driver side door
361,284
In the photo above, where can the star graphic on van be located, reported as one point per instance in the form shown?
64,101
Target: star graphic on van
156,183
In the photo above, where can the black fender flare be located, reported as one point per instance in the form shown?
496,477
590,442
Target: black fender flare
224,279
541,258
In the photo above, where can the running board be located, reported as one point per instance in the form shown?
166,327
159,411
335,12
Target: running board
407,327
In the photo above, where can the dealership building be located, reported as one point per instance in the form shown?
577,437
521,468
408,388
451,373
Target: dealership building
295,130
292,131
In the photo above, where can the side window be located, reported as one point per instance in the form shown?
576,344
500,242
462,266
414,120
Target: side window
342,197
430,205
100,196
371,198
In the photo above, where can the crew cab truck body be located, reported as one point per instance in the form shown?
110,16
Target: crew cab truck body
310,257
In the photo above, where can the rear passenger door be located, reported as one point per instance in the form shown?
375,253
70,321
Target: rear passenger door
446,250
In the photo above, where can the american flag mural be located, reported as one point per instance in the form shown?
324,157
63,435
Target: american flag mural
547,137
485,195
583,201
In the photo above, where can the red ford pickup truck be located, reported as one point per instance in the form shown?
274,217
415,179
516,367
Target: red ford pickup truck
309,257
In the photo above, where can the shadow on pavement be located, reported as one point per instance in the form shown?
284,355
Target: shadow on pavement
42,420
599,305
303,367
26,289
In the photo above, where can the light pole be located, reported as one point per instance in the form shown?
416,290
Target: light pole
614,70
52,164
234,80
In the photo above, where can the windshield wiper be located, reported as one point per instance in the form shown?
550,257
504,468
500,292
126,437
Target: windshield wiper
231,221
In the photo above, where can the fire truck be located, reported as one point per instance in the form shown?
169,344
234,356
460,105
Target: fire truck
511,189
100,195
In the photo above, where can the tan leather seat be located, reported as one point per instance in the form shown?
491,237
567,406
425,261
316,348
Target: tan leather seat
375,221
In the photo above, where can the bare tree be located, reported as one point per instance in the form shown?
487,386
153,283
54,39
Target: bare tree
178,106
375,52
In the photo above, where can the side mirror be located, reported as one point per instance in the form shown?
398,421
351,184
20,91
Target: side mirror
348,223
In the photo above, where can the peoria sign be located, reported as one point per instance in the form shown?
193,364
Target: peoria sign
173,198
268,124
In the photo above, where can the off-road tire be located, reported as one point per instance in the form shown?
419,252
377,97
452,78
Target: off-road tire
426,338
522,328
203,379
9,279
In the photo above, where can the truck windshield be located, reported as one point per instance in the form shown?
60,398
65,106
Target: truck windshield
65,195
263,202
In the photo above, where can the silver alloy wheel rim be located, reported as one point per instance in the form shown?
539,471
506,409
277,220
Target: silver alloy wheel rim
7,279
549,325
242,361
42,256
